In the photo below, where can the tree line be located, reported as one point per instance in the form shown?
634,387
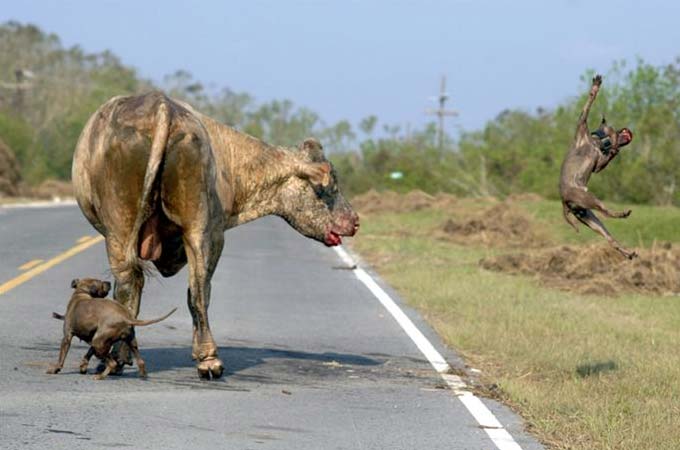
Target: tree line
47,92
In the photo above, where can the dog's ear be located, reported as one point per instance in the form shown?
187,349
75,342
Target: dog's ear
74,283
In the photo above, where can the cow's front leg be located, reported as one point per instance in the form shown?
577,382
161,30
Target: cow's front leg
129,281
203,252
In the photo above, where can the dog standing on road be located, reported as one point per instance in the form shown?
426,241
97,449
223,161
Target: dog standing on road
101,323
591,153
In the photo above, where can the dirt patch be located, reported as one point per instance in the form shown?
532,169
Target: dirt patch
596,269
389,201
502,224
9,172
524,197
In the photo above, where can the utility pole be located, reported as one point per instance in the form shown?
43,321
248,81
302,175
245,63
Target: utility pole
442,112
23,83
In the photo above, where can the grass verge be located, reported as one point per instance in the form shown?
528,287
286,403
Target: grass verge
586,372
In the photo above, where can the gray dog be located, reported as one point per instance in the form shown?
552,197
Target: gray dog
591,153
101,323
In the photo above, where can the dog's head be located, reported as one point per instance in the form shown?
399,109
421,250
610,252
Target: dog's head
609,138
91,286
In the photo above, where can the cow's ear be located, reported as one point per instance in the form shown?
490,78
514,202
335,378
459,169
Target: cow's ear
74,283
319,174
313,148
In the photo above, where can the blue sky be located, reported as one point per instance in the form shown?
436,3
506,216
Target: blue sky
349,59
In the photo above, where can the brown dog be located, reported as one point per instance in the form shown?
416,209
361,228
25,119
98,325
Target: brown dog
591,153
99,322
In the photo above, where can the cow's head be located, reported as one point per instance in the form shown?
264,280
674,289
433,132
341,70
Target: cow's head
311,201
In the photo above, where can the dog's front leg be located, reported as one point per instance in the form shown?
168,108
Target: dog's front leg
63,350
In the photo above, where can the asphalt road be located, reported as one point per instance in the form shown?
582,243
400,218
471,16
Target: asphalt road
313,360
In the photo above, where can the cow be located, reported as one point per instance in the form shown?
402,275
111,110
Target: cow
162,182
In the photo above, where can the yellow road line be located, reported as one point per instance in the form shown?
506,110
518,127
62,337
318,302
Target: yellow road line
24,277
84,238
30,264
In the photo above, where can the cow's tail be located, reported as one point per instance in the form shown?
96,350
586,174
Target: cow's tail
146,208
141,323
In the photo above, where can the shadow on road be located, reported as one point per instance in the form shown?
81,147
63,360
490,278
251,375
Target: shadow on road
249,366
238,359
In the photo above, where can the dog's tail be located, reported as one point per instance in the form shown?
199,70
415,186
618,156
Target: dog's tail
569,216
57,316
146,208
141,323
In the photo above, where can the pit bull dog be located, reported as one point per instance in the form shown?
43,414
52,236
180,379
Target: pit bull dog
591,153
99,322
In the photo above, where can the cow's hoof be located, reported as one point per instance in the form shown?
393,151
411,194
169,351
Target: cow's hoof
210,369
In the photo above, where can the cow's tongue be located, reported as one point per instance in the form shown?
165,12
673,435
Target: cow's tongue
332,239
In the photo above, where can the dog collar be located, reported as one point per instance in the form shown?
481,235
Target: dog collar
604,141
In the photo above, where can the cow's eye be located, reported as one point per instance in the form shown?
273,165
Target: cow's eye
326,195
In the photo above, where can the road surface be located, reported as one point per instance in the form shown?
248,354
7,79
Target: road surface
313,359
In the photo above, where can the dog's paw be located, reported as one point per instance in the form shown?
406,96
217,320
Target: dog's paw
53,370
99,377
627,213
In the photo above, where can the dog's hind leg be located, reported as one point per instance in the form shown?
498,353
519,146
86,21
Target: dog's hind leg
134,348
580,198
569,216
589,219
86,360
110,364
63,350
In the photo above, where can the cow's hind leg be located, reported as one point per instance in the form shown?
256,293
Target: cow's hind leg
127,290
203,251
194,207
589,219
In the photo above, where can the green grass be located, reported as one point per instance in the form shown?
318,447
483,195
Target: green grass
586,372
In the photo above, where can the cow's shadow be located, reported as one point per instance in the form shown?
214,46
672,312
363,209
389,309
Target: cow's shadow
278,364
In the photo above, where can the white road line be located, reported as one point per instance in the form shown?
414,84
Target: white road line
494,429
41,204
